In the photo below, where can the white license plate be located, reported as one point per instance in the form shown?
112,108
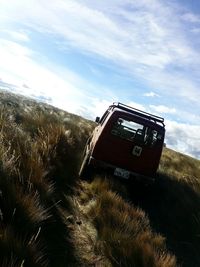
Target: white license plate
122,173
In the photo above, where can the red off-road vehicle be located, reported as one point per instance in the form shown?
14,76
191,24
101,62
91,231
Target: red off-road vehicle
126,142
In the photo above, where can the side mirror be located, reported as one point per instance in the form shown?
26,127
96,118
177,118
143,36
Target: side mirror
97,120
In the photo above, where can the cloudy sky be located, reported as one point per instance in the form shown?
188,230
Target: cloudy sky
81,55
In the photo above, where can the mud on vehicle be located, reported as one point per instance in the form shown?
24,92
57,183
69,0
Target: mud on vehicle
127,142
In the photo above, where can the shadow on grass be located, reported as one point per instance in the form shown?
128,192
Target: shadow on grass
59,248
173,208
28,236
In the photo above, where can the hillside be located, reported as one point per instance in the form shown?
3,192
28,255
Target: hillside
49,217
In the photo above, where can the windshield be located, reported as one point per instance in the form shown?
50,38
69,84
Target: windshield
132,131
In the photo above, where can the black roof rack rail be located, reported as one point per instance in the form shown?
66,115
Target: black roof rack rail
138,112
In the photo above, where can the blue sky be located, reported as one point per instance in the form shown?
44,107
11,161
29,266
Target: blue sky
81,55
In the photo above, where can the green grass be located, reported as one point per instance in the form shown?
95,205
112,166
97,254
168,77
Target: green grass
48,217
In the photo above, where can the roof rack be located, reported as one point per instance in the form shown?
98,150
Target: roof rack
139,113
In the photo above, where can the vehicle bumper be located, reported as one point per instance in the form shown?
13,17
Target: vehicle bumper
109,168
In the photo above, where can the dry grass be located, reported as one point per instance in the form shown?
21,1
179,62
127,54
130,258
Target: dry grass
124,233
50,218
173,205
39,163
181,168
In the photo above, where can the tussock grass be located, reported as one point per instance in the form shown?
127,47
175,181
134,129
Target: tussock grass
124,233
39,162
173,205
50,218
181,168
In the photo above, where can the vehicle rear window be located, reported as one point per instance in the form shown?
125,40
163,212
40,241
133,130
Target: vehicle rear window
133,131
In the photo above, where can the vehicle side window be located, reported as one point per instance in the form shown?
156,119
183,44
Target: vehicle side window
151,136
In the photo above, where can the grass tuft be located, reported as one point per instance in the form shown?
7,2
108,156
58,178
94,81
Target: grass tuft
36,172
125,236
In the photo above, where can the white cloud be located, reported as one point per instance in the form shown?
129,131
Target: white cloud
163,109
98,107
183,137
195,30
151,94
139,36
19,68
137,106
65,89
20,36
173,85
190,17
116,33
133,35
